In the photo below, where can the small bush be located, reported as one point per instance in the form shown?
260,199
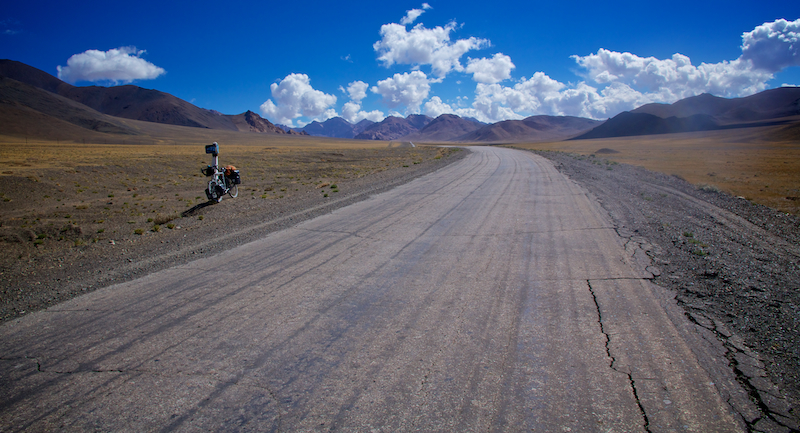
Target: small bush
156,228
139,231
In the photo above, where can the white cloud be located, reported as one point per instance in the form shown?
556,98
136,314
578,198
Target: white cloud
357,90
413,14
618,81
773,46
422,46
118,65
295,98
674,78
435,107
351,111
406,89
490,71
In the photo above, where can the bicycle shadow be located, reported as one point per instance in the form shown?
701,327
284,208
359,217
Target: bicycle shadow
192,210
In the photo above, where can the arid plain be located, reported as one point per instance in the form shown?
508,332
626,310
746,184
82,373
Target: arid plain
761,164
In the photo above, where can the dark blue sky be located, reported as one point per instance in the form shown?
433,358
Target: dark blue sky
226,56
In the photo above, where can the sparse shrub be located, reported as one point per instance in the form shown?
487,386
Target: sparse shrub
156,228
688,234
201,217
139,231
41,236
163,219
707,188
170,226
101,230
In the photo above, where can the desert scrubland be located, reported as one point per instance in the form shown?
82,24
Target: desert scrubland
66,206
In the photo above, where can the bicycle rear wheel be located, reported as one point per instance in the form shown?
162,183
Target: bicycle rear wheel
234,191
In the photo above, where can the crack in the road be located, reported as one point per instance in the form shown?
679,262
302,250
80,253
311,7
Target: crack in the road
767,412
612,359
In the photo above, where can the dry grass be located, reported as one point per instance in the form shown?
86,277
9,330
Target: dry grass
57,195
739,162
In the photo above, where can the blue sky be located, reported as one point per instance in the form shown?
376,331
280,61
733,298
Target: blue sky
296,62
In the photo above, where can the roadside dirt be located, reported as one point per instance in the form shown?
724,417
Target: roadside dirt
734,267
71,230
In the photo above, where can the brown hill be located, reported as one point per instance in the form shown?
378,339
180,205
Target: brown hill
703,113
444,128
129,102
628,124
33,112
531,129
392,128
252,122
769,104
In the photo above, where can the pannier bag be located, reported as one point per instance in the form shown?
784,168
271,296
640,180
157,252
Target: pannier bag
234,176
213,149
208,171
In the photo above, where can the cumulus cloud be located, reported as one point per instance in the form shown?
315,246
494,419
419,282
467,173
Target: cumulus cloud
773,46
406,89
617,81
423,46
295,98
352,112
435,107
357,90
413,14
674,78
118,65
490,71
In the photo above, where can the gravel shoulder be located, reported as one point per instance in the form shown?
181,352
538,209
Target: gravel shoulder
732,265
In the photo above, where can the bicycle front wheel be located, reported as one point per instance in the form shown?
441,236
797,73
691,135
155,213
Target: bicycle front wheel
234,191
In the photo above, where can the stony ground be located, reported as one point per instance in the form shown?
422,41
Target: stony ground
734,267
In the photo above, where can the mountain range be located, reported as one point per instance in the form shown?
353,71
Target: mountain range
704,113
41,92
29,96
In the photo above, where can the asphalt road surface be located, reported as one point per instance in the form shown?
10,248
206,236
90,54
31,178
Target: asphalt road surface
493,294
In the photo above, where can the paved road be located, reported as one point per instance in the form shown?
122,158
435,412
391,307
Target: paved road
490,295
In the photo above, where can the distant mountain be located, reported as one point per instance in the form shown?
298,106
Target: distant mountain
701,113
26,110
769,104
393,128
418,121
132,102
445,128
252,122
334,127
361,126
628,124
534,128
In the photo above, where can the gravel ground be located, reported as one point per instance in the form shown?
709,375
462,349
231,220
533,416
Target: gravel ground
732,265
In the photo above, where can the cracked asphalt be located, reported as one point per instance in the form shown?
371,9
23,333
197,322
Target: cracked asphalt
492,294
